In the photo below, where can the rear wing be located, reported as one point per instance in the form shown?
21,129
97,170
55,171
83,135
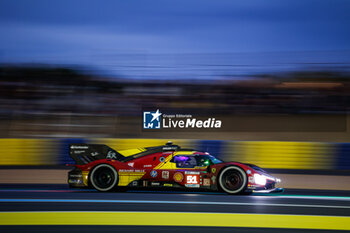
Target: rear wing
86,153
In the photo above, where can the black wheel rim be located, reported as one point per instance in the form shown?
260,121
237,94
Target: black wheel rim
232,180
103,177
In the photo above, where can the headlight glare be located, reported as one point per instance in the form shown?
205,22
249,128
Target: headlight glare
259,179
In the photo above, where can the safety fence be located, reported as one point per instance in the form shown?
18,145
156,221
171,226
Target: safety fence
267,154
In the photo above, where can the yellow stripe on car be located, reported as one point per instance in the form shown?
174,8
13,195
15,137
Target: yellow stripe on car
85,175
129,152
166,164
126,178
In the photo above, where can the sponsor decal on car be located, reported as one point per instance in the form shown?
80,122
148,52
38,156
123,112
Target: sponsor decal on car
148,165
155,184
79,147
75,181
154,173
192,185
145,183
213,170
162,159
111,155
168,185
131,170
75,175
79,151
94,153
178,177
206,182
213,179
165,174
192,172
169,148
192,179
131,164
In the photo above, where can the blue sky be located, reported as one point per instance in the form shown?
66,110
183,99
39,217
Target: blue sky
83,31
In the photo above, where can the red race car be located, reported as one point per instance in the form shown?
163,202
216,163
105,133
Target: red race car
167,166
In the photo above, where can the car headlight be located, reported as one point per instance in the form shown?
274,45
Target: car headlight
259,179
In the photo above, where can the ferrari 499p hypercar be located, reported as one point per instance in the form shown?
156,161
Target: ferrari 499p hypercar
167,166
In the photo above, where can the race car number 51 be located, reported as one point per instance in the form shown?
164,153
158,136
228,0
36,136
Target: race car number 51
192,179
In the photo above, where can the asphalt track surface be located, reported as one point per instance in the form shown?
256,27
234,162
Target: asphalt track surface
57,208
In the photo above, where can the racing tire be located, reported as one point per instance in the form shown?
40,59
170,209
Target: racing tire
233,180
104,177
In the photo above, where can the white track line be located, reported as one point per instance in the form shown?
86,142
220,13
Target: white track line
172,202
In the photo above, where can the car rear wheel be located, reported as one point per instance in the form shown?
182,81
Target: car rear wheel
232,180
104,178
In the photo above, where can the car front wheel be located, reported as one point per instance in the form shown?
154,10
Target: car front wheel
232,180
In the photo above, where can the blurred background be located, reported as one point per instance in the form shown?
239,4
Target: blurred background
276,73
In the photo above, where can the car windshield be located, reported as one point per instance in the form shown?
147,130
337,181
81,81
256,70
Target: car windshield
204,160
190,161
